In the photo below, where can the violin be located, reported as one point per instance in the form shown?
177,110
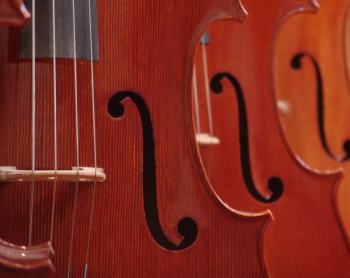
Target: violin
314,69
241,142
97,127
14,12
15,260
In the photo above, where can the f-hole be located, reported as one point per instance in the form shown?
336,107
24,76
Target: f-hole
297,65
274,184
186,227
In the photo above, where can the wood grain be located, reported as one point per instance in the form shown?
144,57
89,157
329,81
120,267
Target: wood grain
326,49
145,47
306,238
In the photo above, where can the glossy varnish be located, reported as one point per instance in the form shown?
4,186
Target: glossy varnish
306,238
311,76
145,67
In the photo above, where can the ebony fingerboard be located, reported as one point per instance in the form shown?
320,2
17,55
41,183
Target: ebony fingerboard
64,30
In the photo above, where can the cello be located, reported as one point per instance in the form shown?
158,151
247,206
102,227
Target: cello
247,146
115,92
314,69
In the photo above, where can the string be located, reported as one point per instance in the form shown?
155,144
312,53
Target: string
54,115
94,143
207,90
196,102
76,139
32,186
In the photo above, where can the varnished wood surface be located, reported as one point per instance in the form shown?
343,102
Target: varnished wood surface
16,260
306,239
145,47
13,12
324,40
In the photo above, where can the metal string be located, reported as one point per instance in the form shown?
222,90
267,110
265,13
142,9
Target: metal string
94,143
207,89
54,115
32,186
76,139
196,102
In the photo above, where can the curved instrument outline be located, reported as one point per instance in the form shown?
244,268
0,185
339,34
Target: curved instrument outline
275,184
186,227
297,65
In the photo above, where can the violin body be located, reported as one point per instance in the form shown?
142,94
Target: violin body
16,260
306,238
155,215
314,69
13,12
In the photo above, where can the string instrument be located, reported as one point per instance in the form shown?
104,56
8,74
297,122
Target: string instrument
13,12
98,155
312,87
15,260
244,145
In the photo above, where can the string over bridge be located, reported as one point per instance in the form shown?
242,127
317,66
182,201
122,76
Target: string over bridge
83,174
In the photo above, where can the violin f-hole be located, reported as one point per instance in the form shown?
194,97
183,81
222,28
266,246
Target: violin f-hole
297,65
186,227
275,184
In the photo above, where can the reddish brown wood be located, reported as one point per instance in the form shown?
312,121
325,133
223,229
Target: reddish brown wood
324,40
22,261
306,238
146,47
13,12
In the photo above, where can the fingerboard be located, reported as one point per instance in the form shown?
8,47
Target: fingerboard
64,30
